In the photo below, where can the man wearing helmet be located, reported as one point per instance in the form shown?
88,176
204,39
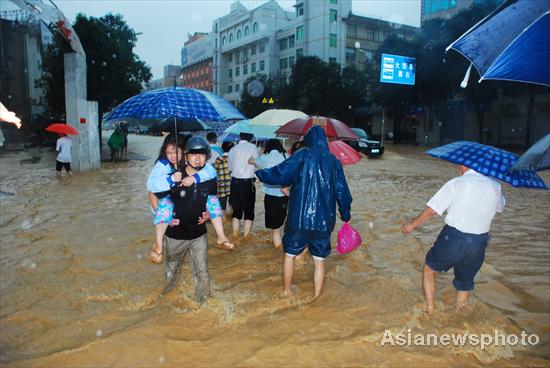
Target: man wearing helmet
188,236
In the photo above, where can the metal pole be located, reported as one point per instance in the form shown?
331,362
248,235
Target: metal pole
176,137
383,117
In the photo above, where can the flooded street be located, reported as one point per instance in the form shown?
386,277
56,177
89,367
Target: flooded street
77,288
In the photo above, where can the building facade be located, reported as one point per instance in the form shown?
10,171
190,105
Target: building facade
432,9
196,61
22,41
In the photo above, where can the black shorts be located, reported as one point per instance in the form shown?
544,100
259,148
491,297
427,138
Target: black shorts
275,211
242,198
59,165
223,202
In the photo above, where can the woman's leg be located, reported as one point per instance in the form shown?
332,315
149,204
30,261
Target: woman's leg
216,217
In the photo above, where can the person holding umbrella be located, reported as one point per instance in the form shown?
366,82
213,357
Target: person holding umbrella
63,147
471,201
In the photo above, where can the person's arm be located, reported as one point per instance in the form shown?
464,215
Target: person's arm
58,146
251,161
343,195
160,179
153,200
208,172
501,201
283,174
424,216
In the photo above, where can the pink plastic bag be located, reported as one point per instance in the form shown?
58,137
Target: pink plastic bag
348,239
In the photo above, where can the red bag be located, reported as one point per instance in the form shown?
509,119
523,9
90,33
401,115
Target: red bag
348,239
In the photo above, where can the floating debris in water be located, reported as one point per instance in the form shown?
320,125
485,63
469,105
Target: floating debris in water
371,225
161,359
139,256
4,195
25,225
28,263
99,333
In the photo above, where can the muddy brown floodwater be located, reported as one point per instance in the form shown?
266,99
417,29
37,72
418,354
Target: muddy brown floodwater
77,288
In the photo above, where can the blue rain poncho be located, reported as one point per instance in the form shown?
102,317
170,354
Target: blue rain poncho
317,183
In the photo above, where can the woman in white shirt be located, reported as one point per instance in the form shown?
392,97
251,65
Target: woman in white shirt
275,202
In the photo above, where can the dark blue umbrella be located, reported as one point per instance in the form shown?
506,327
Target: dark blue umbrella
178,102
512,43
489,161
536,158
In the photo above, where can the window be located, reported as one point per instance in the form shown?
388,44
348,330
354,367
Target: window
246,31
237,71
350,55
237,87
299,53
229,57
334,1
262,65
224,41
245,52
333,15
255,27
300,33
332,40
283,63
299,9
238,34
231,37
253,68
230,88
230,74
245,69
262,48
283,44
291,61
253,50
370,34
332,60
352,30
369,56
291,41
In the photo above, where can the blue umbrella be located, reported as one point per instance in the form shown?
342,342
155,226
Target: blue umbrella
536,158
512,43
180,103
489,161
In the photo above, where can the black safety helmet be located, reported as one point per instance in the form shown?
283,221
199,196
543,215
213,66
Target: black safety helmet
197,144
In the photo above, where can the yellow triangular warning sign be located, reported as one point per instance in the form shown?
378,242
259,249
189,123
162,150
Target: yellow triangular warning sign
264,100
271,100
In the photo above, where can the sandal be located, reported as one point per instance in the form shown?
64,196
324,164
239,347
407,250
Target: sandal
225,245
155,256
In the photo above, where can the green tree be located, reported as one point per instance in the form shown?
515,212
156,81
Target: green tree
114,72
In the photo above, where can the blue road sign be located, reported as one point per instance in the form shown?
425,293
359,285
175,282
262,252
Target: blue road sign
397,69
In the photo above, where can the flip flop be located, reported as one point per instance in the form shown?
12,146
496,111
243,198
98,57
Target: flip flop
155,257
225,245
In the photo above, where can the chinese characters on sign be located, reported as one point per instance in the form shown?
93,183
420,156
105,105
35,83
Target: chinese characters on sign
397,69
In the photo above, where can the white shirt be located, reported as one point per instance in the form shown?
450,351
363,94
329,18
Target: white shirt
63,147
471,202
238,160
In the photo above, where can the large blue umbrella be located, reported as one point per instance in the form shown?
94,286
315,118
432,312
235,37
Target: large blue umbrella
536,158
180,103
489,161
512,43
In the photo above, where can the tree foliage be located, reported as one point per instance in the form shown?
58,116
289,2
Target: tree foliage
314,87
114,72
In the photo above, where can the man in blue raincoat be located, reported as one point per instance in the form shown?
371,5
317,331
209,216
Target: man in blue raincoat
317,183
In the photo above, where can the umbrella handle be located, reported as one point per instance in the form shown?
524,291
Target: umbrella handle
176,135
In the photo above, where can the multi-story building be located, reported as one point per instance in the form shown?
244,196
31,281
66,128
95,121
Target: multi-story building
196,61
172,77
22,40
432,9
269,39
365,35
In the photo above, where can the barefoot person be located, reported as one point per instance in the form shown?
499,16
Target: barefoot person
317,183
471,201
243,192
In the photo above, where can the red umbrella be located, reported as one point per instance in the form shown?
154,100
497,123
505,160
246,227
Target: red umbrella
344,153
333,128
61,128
